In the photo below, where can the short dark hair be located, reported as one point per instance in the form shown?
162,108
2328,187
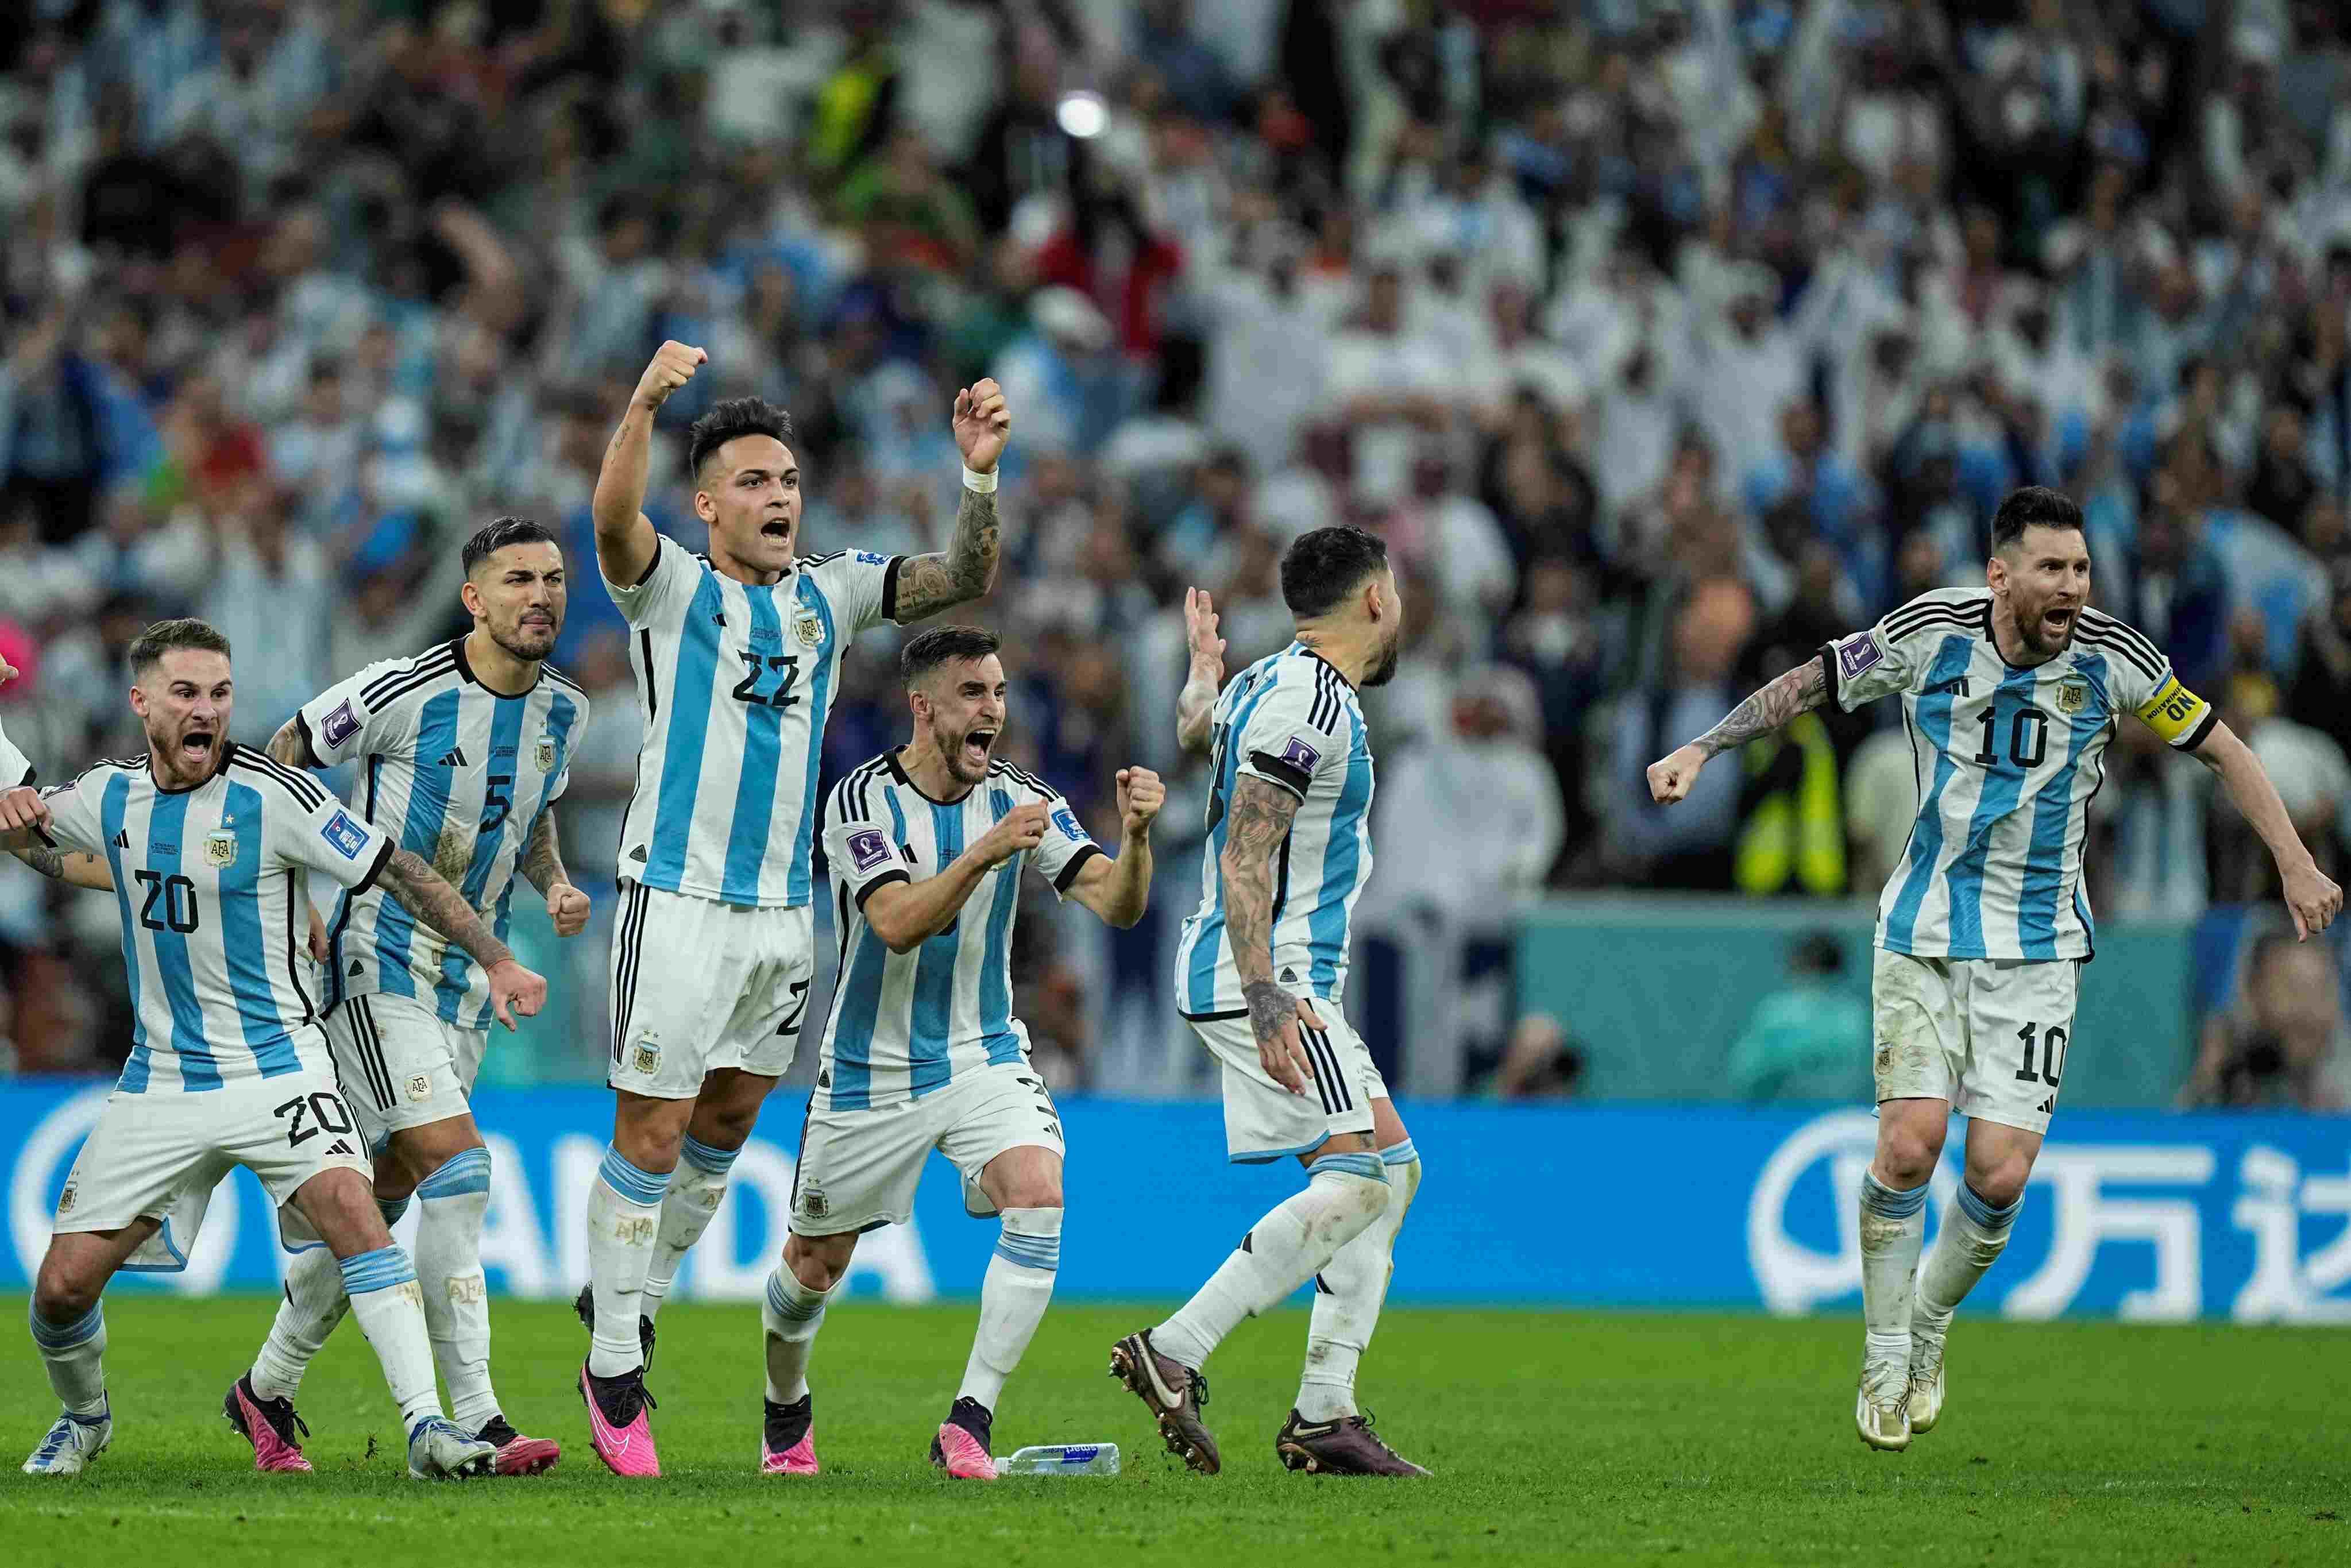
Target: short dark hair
927,651
725,420
2035,506
1323,566
163,636
494,536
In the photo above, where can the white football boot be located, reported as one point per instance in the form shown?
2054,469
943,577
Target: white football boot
1926,1374
72,1444
1881,1410
439,1450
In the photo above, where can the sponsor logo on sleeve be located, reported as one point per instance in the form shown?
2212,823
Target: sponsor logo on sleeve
868,849
1067,821
342,724
1855,655
1300,754
867,557
347,837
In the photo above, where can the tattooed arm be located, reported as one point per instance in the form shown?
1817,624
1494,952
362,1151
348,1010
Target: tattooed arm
1800,690
72,867
542,867
930,583
424,894
1254,825
291,745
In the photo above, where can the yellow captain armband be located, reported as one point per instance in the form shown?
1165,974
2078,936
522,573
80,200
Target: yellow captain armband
2177,715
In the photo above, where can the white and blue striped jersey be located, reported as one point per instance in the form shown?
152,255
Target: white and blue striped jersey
211,883
2007,759
1292,720
460,776
733,685
906,1024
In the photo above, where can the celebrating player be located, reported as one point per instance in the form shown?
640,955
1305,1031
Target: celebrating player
466,745
1288,849
208,844
2010,693
921,1052
738,655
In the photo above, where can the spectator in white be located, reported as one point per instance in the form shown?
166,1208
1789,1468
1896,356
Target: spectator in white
315,454
1453,539
613,284
1265,348
1471,216
256,98
1746,369
272,586
1485,775
2029,355
1636,419
1386,384
1509,356
1652,844
1881,803
1045,372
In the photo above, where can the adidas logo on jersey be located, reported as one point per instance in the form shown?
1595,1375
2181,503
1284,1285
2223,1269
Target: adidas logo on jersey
122,840
357,966
454,757
1290,976
637,853
341,1146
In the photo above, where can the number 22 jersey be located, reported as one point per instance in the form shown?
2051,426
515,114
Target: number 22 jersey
2007,759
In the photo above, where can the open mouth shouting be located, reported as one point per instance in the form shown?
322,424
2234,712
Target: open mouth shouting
777,529
2057,622
979,746
199,747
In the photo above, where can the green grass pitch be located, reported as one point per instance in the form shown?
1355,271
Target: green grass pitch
1557,1438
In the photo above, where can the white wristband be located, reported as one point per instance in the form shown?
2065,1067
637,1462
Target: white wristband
979,484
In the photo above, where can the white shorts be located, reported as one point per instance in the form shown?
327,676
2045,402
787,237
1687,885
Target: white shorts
698,985
1263,1120
859,1169
1989,1035
159,1156
400,1064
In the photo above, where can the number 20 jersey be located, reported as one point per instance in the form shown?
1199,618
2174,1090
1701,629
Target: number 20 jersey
457,774
734,681
2007,761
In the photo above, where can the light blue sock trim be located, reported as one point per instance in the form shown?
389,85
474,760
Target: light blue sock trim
638,1187
1402,1154
81,1330
392,1209
378,1270
1029,1251
1881,1199
706,1158
1973,1205
461,1173
1365,1165
780,1302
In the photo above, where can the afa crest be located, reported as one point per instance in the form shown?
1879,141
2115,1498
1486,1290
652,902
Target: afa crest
220,847
543,755
2073,697
648,1058
808,627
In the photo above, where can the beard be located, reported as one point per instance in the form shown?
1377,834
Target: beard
1384,671
962,766
2033,630
528,643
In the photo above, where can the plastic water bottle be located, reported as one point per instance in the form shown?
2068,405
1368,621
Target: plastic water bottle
1061,1460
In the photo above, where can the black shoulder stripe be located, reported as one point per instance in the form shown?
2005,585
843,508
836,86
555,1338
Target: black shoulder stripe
2098,620
384,696
442,656
1014,771
859,787
811,562
1919,611
2151,669
305,790
1954,623
561,679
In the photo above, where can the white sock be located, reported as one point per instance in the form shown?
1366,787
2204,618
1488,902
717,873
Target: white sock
1348,1294
623,1215
1012,1300
312,1304
1970,1241
1893,1228
390,1310
789,1314
74,1353
456,1298
695,1189
1343,1195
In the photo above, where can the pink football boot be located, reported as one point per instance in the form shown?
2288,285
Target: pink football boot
617,1425
269,1425
787,1445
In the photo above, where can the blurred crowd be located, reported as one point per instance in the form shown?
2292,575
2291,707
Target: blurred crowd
1661,340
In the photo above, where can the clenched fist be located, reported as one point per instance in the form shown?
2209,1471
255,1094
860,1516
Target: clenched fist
1140,796
1016,833
568,907
672,366
982,425
1670,777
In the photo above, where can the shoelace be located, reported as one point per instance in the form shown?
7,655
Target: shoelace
1199,1384
280,1414
632,1396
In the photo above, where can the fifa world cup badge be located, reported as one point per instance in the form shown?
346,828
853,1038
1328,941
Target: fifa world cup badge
220,847
2073,697
544,755
808,627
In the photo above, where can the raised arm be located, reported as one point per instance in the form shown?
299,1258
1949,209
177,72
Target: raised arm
70,867
291,745
1800,690
542,867
1197,700
967,569
1119,890
625,540
905,915
2310,893
424,894
1254,825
